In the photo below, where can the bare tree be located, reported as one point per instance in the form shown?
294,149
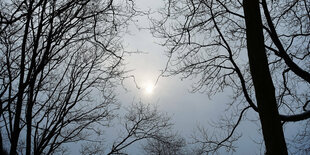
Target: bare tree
60,61
93,148
262,82
206,39
172,145
142,122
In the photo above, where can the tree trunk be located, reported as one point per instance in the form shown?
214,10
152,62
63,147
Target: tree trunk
264,88
21,86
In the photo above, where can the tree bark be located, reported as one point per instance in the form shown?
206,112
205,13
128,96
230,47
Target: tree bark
263,85
21,86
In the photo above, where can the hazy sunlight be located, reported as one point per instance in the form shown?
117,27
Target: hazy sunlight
148,88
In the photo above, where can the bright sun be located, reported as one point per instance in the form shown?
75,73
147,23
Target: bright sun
149,88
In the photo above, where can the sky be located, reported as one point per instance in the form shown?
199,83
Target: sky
170,94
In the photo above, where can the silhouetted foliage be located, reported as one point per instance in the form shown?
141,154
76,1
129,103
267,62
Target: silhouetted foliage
172,145
142,122
139,124
60,61
206,40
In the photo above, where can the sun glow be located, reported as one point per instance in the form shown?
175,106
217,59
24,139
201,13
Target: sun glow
149,88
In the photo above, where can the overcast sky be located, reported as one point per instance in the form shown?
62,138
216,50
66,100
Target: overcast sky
171,94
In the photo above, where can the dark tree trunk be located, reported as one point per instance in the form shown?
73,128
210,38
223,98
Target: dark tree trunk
21,87
264,88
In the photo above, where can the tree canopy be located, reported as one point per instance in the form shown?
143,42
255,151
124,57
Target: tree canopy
61,60
209,41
